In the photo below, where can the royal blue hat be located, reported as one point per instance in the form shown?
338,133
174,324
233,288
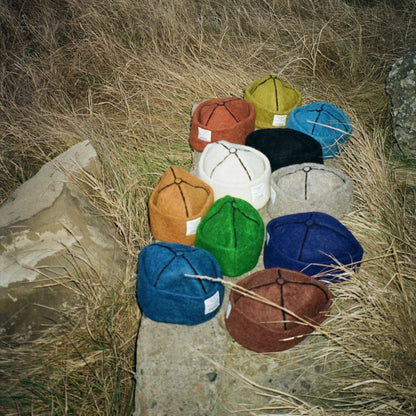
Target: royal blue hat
166,292
325,123
314,243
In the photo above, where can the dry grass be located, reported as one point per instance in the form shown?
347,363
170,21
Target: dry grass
124,74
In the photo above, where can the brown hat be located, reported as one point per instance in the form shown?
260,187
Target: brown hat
230,119
177,205
299,299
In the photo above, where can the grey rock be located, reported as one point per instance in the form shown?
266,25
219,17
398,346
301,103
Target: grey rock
51,241
401,87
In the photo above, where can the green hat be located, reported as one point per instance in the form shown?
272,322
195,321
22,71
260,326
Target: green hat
273,100
233,232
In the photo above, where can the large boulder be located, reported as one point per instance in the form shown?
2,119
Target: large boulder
52,245
401,87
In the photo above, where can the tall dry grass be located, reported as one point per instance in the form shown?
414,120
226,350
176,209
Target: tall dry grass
124,74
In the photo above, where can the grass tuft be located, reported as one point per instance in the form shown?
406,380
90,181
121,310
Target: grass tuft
124,75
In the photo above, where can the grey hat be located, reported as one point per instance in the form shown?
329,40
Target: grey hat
310,187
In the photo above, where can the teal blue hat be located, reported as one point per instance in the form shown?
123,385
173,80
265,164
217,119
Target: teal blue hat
325,123
167,293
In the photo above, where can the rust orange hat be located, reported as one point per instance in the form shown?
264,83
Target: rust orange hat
177,205
299,304
230,119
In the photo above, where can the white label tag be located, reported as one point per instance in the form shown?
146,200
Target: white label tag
279,120
257,192
267,239
227,314
212,303
272,195
204,135
192,225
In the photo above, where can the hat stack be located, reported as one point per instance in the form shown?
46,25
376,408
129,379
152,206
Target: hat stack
273,100
233,232
284,147
237,170
314,243
177,204
324,122
166,292
310,187
299,304
230,119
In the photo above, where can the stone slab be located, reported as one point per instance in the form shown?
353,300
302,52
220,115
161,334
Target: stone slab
53,244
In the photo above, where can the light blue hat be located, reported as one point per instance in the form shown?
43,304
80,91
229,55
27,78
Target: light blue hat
325,123
167,293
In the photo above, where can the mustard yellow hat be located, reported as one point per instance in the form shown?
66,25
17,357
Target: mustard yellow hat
273,100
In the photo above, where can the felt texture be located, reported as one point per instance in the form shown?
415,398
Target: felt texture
284,147
236,170
314,243
267,328
324,122
230,119
310,187
273,100
233,231
164,291
177,204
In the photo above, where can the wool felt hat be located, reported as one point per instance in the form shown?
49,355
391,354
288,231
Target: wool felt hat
273,100
310,187
314,243
230,119
301,303
233,232
166,292
324,122
177,204
236,170
284,147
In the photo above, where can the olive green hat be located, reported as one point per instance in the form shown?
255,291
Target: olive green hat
273,100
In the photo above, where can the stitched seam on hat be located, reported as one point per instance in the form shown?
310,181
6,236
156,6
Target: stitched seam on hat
275,93
164,268
206,218
338,175
231,113
225,158
304,238
319,111
306,186
262,82
335,117
212,113
242,164
196,273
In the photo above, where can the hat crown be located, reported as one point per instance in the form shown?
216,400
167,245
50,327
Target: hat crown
239,214
313,237
297,295
275,93
223,112
324,119
237,163
180,193
310,182
166,266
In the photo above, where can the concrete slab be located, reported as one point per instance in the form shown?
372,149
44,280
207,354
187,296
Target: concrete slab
175,374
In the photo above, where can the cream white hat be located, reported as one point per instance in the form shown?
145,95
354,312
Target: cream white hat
236,170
